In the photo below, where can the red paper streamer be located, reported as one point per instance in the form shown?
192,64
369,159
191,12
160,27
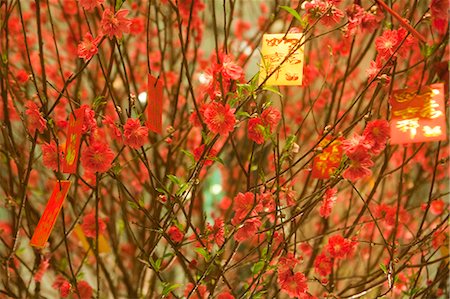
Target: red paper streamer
154,104
73,141
418,117
51,212
326,163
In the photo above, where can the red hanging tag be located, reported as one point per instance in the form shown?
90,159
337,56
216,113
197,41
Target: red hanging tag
418,117
154,104
73,141
326,163
51,212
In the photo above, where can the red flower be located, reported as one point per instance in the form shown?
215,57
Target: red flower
386,44
437,207
271,117
225,295
88,225
256,130
390,42
359,167
115,24
230,70
43,266
202,290
89,123
194,119
219,231
243,204
90,4
328,200
134,134
35,119
219,118
97,157
374,69
50,156
323,265
439,17
288,262
115,132
248,229
355,146
85,290
376,134
62,285
22,76
293,284
338,247
87,48
175,234
137,26
198,152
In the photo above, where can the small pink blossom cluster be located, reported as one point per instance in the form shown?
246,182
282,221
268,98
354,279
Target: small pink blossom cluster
360,149
337,247
389,45
113,24
325,11
291,282
267,122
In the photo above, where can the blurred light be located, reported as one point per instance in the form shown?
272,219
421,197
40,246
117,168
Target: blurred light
436,91
216,189
203,79
142,97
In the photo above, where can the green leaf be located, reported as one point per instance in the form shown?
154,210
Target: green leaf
98,102
202,251
427,50
183,187
257,267
169,288
383,267
242,113
133,205
217,159
156,265
119,4
272,89
189,154
174,179
293,12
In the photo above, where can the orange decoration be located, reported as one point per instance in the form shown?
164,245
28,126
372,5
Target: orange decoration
103,246
326,163
154,104
418,117
73,141
51,212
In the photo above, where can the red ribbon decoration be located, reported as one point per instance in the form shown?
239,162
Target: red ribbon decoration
51,212
154,104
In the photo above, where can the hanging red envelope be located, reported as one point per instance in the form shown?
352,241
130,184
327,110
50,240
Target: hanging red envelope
154,104
418,117
282,59
73,141
326,163
51,212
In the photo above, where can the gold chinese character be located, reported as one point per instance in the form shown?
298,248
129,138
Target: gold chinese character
322,166
404,96
410,125
406,113
432,131
429,111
